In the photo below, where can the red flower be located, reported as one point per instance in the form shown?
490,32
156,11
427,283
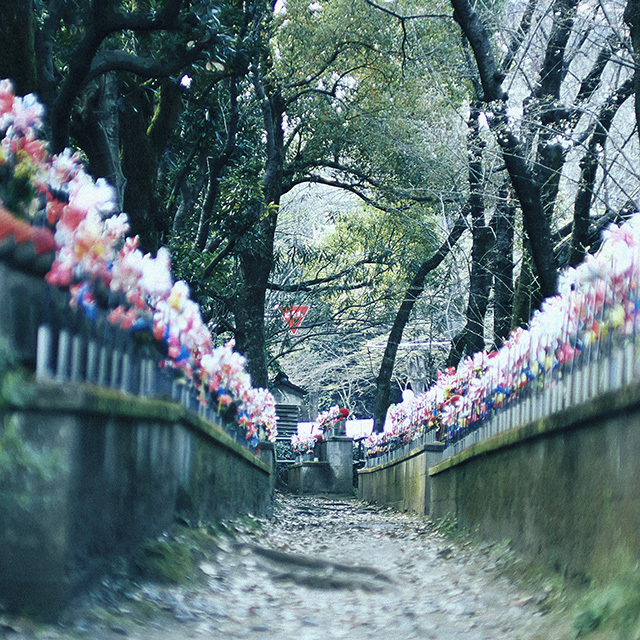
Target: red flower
42,240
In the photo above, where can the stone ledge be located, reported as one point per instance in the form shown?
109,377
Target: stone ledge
431,446
610,404
84,399
91,472
309,463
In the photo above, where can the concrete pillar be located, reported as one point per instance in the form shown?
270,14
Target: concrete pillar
339,455
268,456
433,451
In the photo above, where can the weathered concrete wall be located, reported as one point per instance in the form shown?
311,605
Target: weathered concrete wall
331,472
402,483
566,487
85,473
309,477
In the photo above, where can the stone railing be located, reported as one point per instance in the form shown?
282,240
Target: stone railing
62,345
609,366
89,471
580,344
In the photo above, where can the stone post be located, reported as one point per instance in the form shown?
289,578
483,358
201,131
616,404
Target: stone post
433,452
268,456
339,455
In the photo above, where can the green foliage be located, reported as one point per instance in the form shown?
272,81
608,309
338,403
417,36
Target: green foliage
613,609
346,88
165,561
448,525
17,192
359,87
13,387
373,253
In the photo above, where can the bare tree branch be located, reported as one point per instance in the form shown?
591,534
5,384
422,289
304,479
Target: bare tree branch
117,60
526,189
308,285
412,293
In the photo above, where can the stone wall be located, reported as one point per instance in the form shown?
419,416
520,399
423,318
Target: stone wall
331,472
86,473
402,483
566,488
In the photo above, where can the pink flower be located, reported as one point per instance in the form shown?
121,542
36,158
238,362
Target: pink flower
156,280
565,353
7,98
55,209
117,226
60,274
63,168
27,114
117,315
225,399
91,197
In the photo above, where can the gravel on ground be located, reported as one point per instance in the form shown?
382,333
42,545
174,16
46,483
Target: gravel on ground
322,568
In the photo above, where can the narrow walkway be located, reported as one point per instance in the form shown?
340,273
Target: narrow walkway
325,569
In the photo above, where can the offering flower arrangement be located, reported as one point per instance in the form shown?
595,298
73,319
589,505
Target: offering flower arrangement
328,419
324,422
306,444
598,304
79,220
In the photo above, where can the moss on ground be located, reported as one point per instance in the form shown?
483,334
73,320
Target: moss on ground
174,557
610,611
583,609
163,560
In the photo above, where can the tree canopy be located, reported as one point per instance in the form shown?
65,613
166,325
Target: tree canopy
479,149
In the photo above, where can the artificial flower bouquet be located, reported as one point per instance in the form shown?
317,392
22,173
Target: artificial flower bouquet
327,420
305,445
55,204
597,306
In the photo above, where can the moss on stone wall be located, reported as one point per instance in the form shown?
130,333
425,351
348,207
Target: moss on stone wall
566,488
86,473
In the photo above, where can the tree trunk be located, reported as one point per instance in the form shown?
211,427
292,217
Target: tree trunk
632,18
471,338
215,170
552,119
526,189
17,45
139,166
589,168
256,247
256,261
144,135
528,296
97,131
503,227
383,385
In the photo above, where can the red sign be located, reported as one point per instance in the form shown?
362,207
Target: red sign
294,315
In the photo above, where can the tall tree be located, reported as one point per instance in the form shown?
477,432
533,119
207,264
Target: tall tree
632,18
17,45
525,187
315,111
383,387
471,337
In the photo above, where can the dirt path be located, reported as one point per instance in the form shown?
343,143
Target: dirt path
322,569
